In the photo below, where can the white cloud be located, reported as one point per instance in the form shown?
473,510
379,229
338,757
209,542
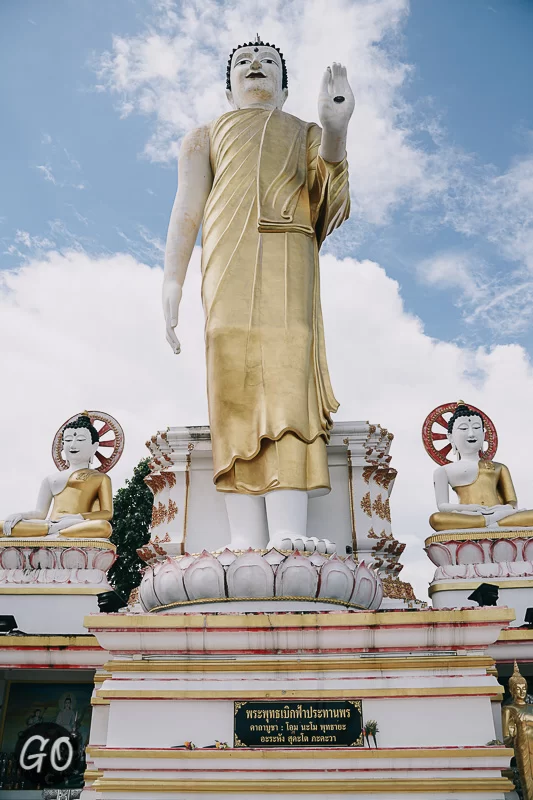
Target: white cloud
400,154
498,209
47,173
175,72
455,270
65,165
88,332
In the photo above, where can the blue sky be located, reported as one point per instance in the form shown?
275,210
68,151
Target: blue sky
96,96
470,67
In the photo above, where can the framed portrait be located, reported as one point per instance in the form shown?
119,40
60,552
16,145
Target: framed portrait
27,704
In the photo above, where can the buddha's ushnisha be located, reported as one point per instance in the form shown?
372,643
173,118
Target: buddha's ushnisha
267,189
81,497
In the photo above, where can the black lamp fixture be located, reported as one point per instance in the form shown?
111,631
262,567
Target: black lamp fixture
109,602
528,618
8,623
486,594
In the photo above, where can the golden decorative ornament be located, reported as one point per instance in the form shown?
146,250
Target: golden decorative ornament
366,504
396,589
172,510
134,596
159,514
367,474
382,509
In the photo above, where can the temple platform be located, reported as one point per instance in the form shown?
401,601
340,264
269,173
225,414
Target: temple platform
257,703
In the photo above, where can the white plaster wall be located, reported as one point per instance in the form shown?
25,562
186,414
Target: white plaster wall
329,515
207,523
166,723
54,613
497,715
403,722
99,725
432,721
520,599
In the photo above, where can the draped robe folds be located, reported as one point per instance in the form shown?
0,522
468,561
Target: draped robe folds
273,202
521,717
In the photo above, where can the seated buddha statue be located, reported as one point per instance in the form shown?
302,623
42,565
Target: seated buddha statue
484,488
81,497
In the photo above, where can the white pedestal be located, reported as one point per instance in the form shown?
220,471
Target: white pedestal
467,558
50,585
189,515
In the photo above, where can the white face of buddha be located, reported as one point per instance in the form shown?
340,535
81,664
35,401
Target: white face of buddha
468,435
256,78
78,446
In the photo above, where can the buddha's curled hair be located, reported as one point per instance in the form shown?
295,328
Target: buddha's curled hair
83,421
462,410
284,74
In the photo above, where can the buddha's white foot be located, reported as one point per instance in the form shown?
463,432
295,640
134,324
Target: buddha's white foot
305,544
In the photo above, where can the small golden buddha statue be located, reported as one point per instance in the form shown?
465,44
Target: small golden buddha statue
81,497
485,490
517,726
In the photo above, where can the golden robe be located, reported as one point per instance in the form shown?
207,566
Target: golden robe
492,487
86,492
517,724
273,202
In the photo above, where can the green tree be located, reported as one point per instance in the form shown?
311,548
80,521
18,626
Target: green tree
131,523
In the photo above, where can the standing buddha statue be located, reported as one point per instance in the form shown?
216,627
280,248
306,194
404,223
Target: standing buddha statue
517,726
267,189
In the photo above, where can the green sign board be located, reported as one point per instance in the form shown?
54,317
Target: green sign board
335,723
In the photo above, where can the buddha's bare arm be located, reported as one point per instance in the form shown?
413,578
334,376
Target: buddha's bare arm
195,180
40,511
334,116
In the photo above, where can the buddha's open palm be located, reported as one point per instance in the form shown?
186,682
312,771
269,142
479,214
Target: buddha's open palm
334,114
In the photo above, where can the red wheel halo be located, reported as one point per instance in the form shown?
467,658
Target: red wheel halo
116,441
439,417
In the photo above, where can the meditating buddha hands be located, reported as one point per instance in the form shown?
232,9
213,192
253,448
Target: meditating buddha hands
81,497
485,490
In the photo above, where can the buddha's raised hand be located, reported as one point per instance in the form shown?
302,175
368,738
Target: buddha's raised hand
335,100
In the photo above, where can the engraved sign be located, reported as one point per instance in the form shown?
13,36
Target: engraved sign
329,723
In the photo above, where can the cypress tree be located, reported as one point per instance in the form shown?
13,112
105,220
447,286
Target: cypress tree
131,522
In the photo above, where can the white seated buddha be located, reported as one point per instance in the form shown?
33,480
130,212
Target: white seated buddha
484,488
81,498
